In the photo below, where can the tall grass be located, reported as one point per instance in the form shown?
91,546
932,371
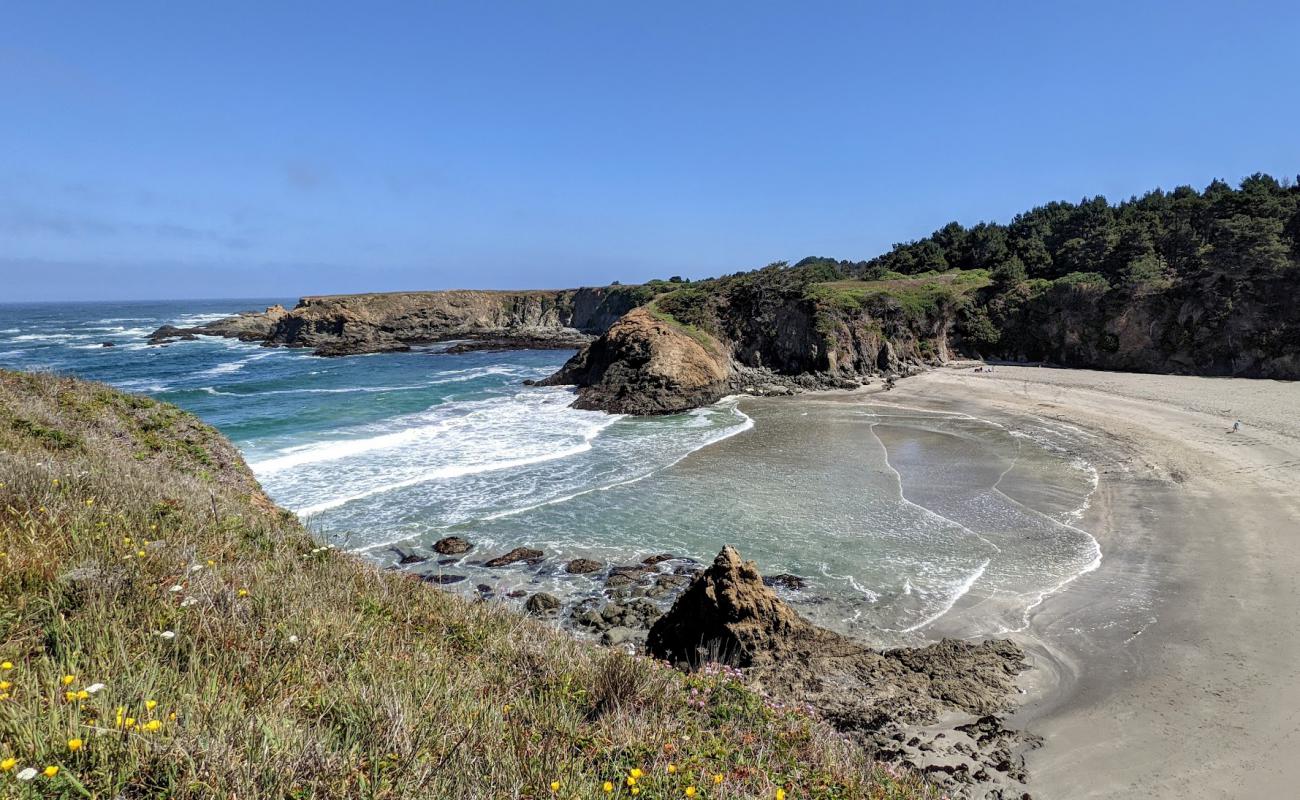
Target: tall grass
239,659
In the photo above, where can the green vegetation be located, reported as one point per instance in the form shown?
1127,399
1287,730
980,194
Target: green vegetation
165,631
919,297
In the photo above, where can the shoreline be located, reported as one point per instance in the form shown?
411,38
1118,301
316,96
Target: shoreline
1166,670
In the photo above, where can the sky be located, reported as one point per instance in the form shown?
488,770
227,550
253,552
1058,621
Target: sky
185,150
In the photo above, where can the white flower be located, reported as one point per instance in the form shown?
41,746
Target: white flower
189,601
177,588
196,568
95,687
27,774
293,639
169,635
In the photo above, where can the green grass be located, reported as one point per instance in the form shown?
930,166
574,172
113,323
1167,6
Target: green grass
293,671
917,296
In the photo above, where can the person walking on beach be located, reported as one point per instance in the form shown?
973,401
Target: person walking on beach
1236,426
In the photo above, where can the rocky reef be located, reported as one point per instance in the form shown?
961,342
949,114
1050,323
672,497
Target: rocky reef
887,700
339,325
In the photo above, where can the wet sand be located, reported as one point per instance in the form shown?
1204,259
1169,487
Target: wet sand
1173,669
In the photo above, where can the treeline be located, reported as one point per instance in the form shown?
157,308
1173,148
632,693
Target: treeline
1213,237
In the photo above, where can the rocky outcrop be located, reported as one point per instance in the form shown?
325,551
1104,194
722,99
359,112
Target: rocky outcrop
372,323
647,365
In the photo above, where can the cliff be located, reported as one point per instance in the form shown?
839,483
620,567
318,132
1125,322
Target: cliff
371,323
769,331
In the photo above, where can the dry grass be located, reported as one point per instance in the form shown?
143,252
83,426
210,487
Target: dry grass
296,671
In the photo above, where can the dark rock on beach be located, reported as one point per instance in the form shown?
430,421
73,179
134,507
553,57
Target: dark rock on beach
408,557
785,581
542,603
452,546
524,554
107,344
582,566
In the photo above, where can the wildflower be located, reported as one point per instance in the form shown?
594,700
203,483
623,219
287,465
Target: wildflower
176,588
4,696
7,665
74,745
211,563
189,601
196,568
27,774
635,773
129,722
70,696
126,540
4,686
293,639
83,695
608,787
172,716
243,593
8,764
50,771
139,554
635,790
168,635
555,786
631,781
94,688
717,779
68,679
505,709
152,725
150,705
690,791
672,768
90,501
780,794
55,482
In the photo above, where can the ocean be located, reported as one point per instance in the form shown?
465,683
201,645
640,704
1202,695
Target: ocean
903,523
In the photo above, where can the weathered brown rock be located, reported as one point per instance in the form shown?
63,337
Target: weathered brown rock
452,545
514,556
726,615
647,365
542,603
581,566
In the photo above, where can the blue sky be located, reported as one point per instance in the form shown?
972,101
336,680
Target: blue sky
155,150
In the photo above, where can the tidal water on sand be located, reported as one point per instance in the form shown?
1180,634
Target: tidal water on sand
901,522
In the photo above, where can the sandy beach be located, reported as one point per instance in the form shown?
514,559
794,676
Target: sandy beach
1173,669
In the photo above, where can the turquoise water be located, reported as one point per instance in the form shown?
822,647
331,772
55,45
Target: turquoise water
905,522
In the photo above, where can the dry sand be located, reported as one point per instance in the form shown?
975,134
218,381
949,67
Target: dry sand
1173,670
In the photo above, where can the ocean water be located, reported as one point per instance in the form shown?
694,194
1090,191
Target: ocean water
906,523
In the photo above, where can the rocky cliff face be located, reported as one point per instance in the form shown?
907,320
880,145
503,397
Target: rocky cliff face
646,365
370,323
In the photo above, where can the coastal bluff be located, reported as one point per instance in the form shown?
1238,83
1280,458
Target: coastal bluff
337,325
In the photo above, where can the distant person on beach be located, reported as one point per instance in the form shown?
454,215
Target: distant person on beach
1236,426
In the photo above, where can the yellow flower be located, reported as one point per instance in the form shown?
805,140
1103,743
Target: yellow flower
129,722
635,790
631,781
780,794
4,696
74,745
90,501
211,563
690,791
608,787
172,716
555,786
8,764
672,768
55,481
505,709
82,694
126,540
50,771
69,695
717,779
68,679
243,593
636,773
150,705
139,553
152,725
4,686
7,665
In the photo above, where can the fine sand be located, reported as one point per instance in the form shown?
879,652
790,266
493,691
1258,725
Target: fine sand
1173,669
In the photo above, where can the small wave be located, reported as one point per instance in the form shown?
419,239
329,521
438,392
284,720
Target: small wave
959,591
11,330
44,337
448,472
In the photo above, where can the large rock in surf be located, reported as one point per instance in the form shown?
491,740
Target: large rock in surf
647,365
